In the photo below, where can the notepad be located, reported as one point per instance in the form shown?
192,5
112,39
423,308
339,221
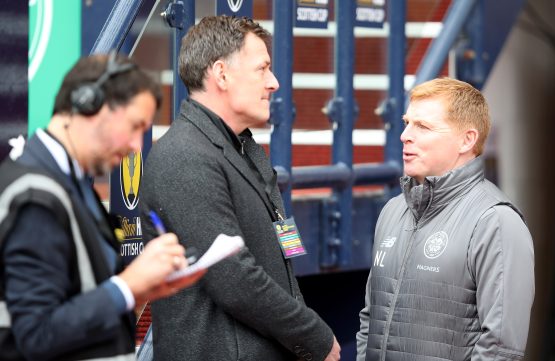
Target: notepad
222,247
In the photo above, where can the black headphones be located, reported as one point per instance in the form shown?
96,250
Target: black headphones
88,98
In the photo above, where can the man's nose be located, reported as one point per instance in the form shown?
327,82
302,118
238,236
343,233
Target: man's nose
406,135
137,142
272,82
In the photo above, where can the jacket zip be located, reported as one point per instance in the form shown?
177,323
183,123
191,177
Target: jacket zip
397,289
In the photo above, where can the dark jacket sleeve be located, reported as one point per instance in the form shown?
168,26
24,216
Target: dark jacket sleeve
198,206
50,317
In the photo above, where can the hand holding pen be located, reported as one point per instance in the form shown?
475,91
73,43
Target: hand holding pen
147,276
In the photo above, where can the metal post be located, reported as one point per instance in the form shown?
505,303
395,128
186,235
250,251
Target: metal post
341,111
282,108
392,110
185,11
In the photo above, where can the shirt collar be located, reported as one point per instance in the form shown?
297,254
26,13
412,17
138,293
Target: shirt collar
233,138
59,153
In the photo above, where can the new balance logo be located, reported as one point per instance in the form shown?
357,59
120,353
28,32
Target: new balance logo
388,242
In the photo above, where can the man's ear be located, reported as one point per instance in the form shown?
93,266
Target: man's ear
218,72
469,139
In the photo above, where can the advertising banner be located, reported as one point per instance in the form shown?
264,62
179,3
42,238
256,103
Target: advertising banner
370,13
311,14
125,182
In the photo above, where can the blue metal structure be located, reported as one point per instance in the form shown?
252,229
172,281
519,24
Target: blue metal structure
393,108
341,110
477,42
470,62
119,24
180,15
453,23
335,247
282,109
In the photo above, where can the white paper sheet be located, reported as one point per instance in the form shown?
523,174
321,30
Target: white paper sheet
222,247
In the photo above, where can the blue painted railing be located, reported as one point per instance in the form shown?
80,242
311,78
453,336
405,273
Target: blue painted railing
393,108
282,107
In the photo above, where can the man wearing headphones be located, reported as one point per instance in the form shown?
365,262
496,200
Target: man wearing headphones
63,292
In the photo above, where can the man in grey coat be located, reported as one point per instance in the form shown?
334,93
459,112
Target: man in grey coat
207,176
453,261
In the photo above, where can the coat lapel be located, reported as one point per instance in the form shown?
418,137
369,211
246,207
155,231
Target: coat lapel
205,125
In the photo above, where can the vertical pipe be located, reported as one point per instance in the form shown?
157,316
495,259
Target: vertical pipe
343,107
282,108
179,90
396,70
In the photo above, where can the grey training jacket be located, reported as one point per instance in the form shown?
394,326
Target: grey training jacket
452,275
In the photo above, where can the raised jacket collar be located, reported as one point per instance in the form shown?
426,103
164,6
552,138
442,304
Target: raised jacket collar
427,199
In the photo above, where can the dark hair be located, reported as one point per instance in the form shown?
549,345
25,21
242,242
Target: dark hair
118,89
213,38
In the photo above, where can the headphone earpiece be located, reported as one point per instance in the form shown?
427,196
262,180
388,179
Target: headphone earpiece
88,98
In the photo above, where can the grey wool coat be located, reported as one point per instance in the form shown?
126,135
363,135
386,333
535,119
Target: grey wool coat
249,306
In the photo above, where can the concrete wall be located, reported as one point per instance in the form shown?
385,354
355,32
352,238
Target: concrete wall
521,94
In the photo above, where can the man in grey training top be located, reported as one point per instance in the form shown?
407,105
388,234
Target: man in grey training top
453,261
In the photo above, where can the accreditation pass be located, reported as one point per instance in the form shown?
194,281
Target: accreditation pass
289,238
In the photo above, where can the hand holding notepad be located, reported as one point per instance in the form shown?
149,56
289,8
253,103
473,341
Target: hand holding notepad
222,247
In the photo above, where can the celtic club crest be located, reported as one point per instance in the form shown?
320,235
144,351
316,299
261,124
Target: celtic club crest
435,245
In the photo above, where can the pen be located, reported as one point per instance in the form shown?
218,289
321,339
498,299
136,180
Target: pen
157,222
160,229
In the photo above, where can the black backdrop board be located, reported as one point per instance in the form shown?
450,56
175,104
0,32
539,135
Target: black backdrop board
14,47
125,182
